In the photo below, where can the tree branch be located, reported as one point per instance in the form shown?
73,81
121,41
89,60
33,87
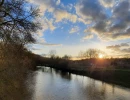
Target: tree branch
2,2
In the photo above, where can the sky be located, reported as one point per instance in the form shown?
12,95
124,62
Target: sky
71,26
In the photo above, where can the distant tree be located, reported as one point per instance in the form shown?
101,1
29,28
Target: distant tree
44,55
52,53
81,54
66,57
18,21
91,53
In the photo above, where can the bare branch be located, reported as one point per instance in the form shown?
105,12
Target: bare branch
2,2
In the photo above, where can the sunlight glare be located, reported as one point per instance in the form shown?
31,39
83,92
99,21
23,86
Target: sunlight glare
100,56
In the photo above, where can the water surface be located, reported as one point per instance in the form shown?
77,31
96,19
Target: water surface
50,84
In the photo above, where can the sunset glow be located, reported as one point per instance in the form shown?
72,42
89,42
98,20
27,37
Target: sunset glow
75,25
100,56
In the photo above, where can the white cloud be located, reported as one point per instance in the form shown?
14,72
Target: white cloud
62,14
108,3
52,6
57,2
89,36
74,29
49,24
46,24
50,44
70,7
84,21
121,50
44,5
111,25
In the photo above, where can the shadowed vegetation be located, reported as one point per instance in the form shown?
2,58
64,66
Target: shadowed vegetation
115,71
18,23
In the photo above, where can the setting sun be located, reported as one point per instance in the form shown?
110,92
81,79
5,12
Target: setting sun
100,56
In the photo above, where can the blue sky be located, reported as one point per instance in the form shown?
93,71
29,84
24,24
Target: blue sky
71,26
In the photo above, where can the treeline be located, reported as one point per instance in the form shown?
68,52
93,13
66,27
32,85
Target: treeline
92,53
115,71
93,63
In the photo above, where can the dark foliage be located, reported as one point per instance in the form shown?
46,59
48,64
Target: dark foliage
18,21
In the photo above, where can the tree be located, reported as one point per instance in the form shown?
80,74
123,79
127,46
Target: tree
66,57
52,53
18,23
92,53
81,54
18,20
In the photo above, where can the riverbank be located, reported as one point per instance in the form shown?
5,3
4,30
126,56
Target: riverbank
14,71
115,71
114,76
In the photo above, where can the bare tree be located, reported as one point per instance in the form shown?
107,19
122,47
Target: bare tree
18,21
52,53
66,57
81,54
91,53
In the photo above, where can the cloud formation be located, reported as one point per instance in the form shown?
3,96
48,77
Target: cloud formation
113,25
44,5
90,10
42,42
121,49
75,29
57,2
109,19
51,44
107,3
89,36
59,15
115,47
48,24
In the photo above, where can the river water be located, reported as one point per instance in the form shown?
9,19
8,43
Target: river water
50,84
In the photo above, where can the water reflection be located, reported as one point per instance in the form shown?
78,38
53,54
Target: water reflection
62,74
51,84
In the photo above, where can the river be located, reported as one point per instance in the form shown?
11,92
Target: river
50,84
